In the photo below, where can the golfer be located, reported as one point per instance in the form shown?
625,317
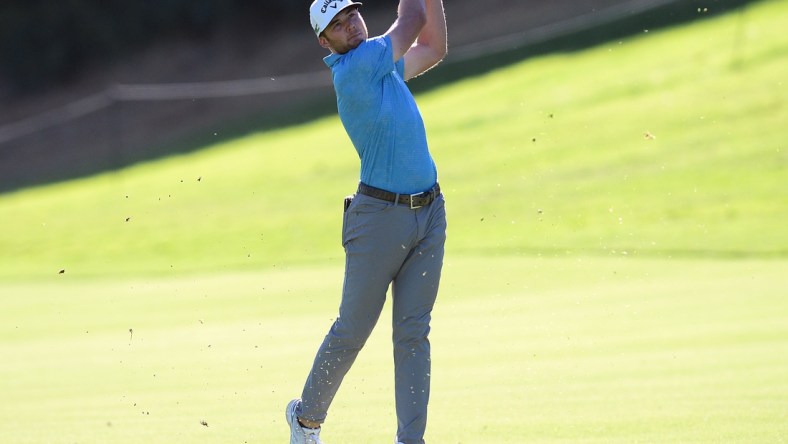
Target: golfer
394,226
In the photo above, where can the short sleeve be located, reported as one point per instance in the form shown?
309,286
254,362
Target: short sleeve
372,59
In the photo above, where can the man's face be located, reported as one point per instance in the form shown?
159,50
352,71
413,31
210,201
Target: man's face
345,32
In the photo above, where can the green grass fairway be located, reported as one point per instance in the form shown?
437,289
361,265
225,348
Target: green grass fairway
615,268
584,350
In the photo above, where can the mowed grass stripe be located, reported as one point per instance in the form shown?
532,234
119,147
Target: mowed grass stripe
562,350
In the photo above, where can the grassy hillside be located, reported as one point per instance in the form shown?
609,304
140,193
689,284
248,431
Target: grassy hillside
669,144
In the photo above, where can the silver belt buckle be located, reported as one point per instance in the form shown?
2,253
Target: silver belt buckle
414,207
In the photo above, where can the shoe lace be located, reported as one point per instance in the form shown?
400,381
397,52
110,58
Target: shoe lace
312,436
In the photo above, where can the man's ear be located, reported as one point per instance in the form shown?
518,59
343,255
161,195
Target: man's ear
324,42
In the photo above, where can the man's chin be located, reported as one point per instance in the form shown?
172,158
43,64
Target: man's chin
356,41
353,44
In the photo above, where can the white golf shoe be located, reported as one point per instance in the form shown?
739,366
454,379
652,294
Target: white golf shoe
299,434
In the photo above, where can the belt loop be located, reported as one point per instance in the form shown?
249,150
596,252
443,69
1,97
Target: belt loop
396,199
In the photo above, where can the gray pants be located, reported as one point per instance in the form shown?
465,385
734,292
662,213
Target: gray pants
385,243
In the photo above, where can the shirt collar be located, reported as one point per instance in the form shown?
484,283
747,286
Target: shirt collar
332,59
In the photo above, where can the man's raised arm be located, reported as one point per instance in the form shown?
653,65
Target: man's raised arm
431,45
411,17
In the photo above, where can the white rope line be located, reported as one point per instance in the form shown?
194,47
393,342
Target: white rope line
301,81
162,92
547,32
54,117
229,88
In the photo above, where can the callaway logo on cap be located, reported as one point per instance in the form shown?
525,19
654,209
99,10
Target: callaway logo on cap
323,11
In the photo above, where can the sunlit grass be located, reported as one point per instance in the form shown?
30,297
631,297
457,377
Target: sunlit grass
615,273
613,350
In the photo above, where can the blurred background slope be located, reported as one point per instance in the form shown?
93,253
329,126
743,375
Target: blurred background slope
94,86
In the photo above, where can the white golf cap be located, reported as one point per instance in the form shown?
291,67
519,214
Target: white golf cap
323,11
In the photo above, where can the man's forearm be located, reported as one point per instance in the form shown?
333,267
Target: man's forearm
412,10
434,33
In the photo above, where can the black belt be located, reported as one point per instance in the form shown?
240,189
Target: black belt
414,201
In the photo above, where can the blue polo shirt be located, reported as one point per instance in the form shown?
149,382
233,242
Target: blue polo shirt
382,119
